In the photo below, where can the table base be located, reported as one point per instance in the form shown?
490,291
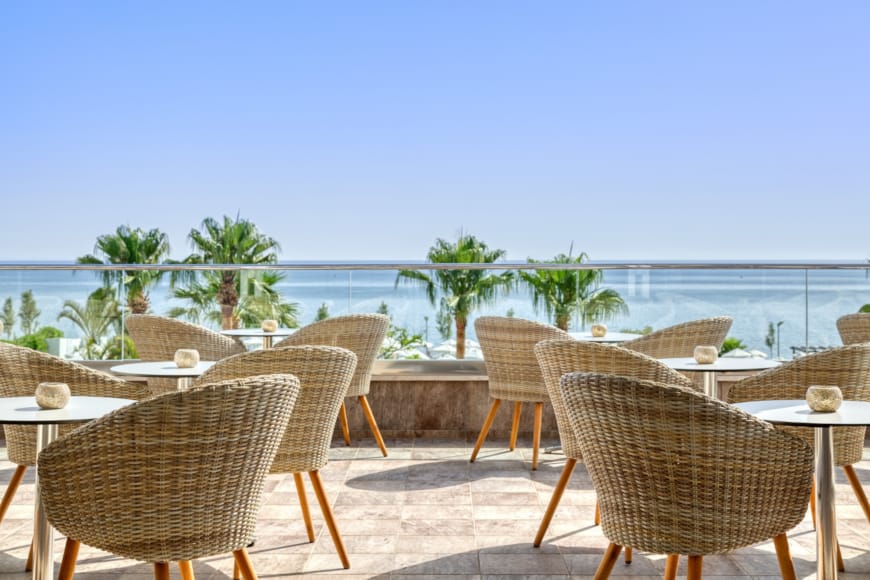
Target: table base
43,533
826,519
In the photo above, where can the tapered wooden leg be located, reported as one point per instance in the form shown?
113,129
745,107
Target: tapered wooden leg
373,425
597,513
695,565
536,434
303,504
237,573
28,566
243,563
70,555
186,569
608,561
161,571
783,556
628,555
858,489
570,464
515,425
671,564
813,502
327,515
485,429
11,489
345,427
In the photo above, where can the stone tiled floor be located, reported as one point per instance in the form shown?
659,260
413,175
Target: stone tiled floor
426,512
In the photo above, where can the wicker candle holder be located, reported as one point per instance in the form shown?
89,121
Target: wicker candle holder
269,325
599,330
824,398
706,355
52,395
186,358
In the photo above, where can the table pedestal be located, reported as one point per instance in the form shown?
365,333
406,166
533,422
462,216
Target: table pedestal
826,519
43,533
710,384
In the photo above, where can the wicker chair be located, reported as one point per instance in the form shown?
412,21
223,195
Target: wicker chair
158,337
847,367
21,370
362,334
854,328
740,480
324,373
170,479
681,339
514,375
558,357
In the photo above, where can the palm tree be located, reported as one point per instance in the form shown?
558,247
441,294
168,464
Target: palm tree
463,291
229,242
564,293
100,314
131,246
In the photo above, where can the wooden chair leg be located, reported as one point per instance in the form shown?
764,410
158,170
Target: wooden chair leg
237,573
345,426
515,425
597,513
858,489
628,556
485,429
536,434
161,571
695,565
70,555
813,502
11,489
329,517
28,566
608,561
303,504
567,471
783,556
671,564
186,569
244,565
373,425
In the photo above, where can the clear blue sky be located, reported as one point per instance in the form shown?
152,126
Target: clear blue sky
365,130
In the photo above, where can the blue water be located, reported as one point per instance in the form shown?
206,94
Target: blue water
808,303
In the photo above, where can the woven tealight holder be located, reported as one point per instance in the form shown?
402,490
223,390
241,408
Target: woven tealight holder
599,330
824,398
52,395
706,355
186,358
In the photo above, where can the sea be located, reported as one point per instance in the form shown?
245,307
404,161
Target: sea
802,305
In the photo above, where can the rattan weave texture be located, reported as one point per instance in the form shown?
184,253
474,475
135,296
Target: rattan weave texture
559,357
362,334
176,477
22,369
681,339
677,472
847,367
854,328
157,338
324,373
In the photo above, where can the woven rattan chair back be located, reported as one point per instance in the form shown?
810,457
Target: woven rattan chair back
706,497
848,367
508,346
854,328
157,338
681,339
22,369
174,478
362,334
324,374
559,357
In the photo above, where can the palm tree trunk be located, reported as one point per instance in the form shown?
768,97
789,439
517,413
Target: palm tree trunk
562,321
461,323
228,298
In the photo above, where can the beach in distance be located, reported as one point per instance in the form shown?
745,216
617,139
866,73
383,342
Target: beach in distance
807,302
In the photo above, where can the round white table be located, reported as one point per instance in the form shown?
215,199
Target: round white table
259,332
610,337
25,411
797,413
164,369
722,365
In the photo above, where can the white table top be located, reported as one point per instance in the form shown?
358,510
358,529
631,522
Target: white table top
722,365
24,410
609,337
796,412
256,332
162,368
